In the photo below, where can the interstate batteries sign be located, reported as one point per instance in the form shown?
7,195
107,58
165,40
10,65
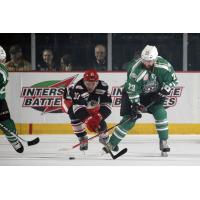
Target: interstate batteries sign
31,95
171,99
46,96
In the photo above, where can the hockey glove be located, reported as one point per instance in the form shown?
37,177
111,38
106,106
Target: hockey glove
93,110
93,122
164,91
162,94
136,110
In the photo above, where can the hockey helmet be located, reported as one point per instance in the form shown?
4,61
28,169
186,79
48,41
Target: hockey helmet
91,75
149,53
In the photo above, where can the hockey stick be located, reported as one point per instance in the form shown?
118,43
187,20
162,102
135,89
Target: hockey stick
120,153
86,140
29,142
106,149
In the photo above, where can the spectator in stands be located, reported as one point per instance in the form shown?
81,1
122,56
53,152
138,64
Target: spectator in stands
100,62
66,63
17,62
48,63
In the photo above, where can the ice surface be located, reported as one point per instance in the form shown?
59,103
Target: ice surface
142,150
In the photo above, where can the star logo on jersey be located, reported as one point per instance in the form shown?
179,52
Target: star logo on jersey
46,96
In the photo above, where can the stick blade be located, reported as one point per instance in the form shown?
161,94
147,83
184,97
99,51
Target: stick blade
122,152
34,141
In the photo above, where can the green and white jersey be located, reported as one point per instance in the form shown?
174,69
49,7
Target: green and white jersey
3,80
141,81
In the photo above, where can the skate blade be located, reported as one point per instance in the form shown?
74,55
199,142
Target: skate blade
102,152
164,154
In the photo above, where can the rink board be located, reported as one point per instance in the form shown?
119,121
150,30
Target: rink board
139,129
35,103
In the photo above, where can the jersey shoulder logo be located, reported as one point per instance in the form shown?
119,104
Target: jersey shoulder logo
103,83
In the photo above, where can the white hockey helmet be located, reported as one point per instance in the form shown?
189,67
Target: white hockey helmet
149,53
2,54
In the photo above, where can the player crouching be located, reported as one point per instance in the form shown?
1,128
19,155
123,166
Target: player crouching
90,106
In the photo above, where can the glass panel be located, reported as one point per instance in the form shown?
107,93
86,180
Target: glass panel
129,46
77,49
18,50
194,52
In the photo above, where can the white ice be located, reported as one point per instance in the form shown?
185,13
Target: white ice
142,150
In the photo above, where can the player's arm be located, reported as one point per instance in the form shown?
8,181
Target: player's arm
105,103
169,82
171,78
67,100
133,88
79,105
3,80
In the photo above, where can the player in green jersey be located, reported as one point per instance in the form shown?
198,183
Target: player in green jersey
149,80
7,125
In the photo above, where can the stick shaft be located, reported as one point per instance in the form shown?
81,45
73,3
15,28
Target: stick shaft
84,141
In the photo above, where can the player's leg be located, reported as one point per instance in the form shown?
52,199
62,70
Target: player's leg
121,130
79,130
104,136
7,125
161,122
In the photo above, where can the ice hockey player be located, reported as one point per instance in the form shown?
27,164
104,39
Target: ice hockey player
91,105
149,80
7,125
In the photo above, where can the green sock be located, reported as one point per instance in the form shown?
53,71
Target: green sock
160,116
162,129
121,131
10,125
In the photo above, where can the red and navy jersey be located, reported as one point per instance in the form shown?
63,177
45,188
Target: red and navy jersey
81,99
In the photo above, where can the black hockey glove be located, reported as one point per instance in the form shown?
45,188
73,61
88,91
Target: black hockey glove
136,111
161,95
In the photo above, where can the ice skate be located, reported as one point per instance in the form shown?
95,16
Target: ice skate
103,138
17,145
108,147
84,145
164,147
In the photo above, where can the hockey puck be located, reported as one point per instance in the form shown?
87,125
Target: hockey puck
71,158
